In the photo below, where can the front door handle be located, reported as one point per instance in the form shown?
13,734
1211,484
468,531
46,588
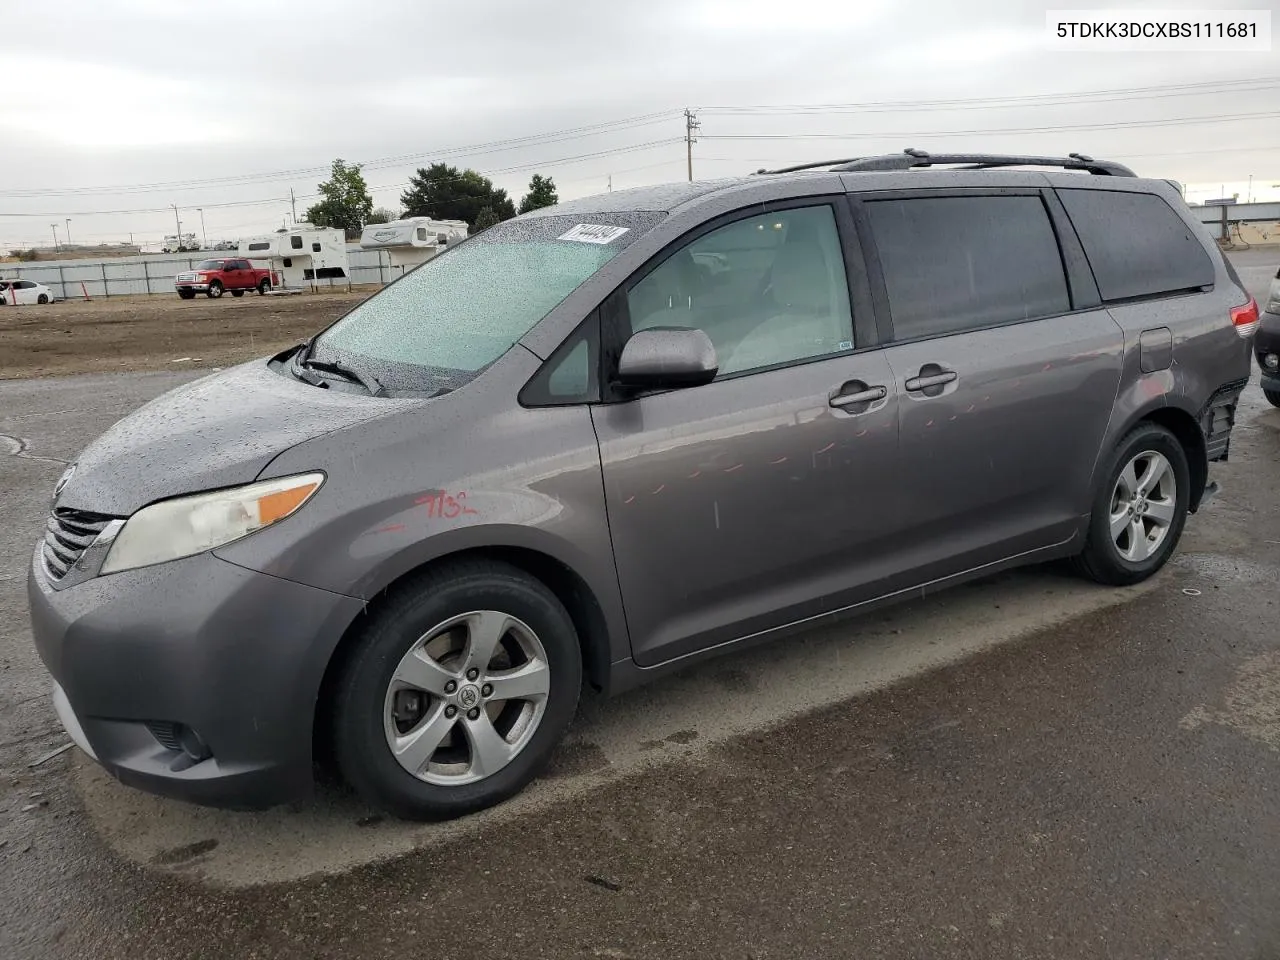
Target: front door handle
916,384
867,395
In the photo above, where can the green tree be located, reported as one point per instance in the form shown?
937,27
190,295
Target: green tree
484,219
346,203
443,192
381,215
542,193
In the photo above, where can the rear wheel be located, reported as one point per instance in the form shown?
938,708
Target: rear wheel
215,290
1139,510
43,298
264,286
459,691
1273,396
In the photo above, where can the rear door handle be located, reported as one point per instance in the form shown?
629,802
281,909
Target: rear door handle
869,395
916,384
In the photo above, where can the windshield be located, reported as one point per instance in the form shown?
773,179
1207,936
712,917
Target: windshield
461,310
210,264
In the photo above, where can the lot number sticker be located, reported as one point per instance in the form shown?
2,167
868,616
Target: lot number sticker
593,233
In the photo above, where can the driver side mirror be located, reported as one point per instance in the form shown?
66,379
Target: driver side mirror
667,357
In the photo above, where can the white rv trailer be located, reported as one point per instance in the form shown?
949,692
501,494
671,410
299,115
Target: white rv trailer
304,256
413,240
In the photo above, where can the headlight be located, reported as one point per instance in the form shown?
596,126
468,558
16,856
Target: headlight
186,526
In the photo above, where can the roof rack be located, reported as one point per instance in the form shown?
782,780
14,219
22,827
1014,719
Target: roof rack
910,158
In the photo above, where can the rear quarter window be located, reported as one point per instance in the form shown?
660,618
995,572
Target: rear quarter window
1136,244
952,264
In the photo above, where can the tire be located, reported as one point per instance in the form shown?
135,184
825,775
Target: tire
374,706
215,290
187,294
237,293
43,298
1129,556
264,287
1273,396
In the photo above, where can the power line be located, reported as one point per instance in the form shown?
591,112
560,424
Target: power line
1042,99
493,146
1118,125
517,168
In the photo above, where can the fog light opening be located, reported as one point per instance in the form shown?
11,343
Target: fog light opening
192,744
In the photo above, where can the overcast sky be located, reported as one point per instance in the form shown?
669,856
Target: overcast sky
103,101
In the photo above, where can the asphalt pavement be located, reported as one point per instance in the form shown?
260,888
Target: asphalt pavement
1026,766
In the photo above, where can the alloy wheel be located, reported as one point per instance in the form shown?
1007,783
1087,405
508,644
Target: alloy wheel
1143,505
466,698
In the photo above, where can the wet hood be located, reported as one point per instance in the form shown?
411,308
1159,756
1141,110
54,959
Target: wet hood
219,431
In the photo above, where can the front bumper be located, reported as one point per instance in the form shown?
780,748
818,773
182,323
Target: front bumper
235,655
197,287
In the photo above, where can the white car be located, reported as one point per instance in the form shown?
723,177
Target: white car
24,291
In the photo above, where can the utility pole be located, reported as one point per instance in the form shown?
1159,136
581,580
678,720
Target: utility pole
691,124
293,206
177,223
611,183
55,237
204,234
68,231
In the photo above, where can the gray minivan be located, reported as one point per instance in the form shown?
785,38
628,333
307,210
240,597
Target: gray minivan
611,437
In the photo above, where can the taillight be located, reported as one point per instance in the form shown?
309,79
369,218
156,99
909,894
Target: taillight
1245,318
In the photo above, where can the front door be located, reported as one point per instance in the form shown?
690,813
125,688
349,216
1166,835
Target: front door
759,499
1005,376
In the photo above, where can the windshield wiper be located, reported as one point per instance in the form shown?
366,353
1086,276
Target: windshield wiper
366,380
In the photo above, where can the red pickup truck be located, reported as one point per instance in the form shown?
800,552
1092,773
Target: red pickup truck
212,277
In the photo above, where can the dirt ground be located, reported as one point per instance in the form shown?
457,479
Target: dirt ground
157,332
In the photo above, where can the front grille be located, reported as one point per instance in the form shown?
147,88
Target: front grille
67,535
186,277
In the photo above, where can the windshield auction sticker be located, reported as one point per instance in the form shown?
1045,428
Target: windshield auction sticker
593,233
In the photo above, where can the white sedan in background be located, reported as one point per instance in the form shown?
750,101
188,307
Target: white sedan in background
24,291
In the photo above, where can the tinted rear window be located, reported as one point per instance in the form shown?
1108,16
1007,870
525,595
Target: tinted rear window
1136,244
960,263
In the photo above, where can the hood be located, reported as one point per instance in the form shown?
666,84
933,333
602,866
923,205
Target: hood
219,431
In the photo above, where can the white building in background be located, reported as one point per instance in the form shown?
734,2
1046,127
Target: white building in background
1258,190
304,256
412,241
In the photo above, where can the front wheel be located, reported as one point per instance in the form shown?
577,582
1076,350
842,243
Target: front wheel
458,692
237,293
187,294
43,298
1273,396
215,290
1139,510
264,287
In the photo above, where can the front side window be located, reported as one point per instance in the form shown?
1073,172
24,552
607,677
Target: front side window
458,312
766,290
962,263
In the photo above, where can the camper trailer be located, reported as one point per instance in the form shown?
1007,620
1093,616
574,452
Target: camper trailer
304,256
412,241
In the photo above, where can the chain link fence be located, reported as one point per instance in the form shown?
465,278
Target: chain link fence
154,274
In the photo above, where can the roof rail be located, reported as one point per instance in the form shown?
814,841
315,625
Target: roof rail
910,158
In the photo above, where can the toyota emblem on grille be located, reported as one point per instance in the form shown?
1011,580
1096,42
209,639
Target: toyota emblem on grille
63,481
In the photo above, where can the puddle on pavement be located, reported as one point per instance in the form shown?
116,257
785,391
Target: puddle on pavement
1223,569
1251,704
